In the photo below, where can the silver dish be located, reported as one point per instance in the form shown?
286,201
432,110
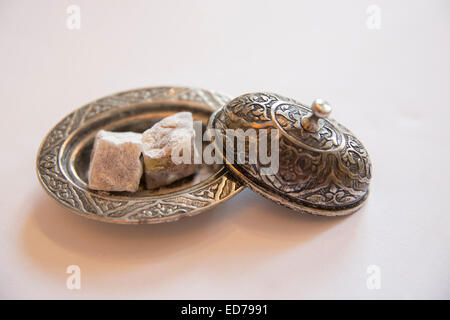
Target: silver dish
63,158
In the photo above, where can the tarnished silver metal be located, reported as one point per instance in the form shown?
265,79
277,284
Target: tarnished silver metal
63,158
323,168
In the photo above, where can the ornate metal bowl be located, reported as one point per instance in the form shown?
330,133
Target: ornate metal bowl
323,168
63,158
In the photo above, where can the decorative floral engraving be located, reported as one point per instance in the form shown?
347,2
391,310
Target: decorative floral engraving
253,109
288,117
328,170
105,206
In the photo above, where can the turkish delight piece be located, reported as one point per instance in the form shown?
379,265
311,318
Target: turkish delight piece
115,161
173,134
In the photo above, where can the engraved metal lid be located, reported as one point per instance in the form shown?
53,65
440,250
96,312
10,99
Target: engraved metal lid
322,167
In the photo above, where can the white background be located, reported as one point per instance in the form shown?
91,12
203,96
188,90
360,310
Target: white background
389,86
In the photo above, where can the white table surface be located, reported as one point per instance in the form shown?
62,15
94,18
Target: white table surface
390,86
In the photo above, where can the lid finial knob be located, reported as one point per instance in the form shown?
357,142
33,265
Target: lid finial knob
320,109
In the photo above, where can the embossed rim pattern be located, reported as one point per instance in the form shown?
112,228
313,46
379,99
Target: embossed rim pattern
333,188
110,208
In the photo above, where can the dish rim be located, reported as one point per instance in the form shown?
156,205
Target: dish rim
108,207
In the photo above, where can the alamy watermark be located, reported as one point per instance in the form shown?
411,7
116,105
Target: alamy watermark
73,21
250,146
373,21
373,281
73,281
